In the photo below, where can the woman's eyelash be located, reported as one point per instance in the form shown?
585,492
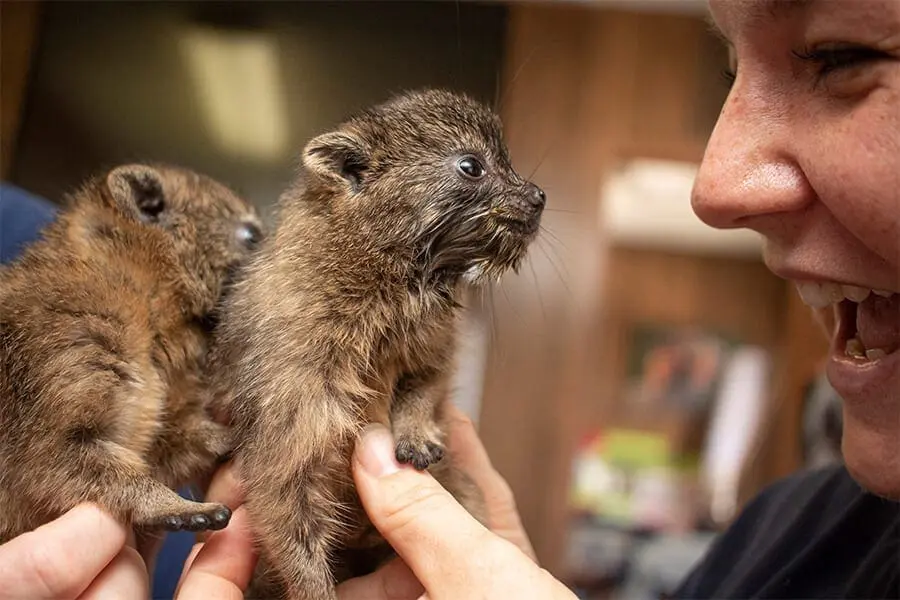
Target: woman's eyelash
826,58
832,58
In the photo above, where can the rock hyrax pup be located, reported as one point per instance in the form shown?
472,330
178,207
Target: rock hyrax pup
104,327
346,316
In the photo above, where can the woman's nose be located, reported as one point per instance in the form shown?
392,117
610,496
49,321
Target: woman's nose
750,176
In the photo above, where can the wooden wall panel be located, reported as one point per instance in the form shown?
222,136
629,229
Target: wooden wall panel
582,90
542,95
803,346
18,35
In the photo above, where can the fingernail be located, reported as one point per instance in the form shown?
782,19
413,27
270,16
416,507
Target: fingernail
375,451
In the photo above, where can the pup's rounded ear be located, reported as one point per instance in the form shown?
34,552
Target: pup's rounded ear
337,156
138,191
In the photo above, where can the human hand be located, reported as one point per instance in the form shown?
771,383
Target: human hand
84,554
221,564
444,551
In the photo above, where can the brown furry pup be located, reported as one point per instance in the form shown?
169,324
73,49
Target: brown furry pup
346,316
104,327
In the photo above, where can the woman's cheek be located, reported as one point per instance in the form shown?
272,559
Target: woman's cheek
854,167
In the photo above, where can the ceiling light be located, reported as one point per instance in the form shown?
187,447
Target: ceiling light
240,91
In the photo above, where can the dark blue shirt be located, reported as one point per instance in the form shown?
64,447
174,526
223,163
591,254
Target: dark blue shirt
814,535
22,217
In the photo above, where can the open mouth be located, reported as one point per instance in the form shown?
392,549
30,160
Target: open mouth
869,330
868,320
520,226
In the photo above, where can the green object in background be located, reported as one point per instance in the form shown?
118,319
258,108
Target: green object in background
635,449
619,473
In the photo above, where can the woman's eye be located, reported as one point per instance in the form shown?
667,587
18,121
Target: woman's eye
833,57
729,75
470,167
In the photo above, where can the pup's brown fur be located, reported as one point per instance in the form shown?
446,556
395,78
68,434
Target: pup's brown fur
346,316
104,325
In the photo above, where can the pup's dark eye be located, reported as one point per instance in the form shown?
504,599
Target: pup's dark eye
249,234
470,167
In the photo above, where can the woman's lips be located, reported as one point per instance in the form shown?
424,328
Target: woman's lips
860,370
864,366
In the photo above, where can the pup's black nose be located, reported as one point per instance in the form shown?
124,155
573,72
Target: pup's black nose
536,196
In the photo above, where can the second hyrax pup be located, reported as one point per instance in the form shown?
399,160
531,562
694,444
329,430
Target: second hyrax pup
346,316
104,327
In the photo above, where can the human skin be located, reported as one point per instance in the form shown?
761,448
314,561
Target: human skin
41,564
806,152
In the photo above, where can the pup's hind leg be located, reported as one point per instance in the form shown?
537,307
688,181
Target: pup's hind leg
114,477
264,584
300,520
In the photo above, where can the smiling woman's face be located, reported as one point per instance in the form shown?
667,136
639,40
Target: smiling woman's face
807,153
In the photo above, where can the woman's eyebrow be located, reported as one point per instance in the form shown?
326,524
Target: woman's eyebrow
776,9
762,10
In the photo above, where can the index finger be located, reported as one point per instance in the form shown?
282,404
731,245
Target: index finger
223,566
59,560
393,581
441,542
224,488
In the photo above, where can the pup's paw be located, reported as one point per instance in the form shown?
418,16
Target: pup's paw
420,452
204,517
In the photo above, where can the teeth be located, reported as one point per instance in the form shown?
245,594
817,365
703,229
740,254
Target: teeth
855,348
856,294
812,294
822,294
834,292
875,353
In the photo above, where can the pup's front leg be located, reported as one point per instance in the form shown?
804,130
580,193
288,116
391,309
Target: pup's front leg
419,439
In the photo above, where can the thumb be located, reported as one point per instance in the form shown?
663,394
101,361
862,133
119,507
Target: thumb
434,535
